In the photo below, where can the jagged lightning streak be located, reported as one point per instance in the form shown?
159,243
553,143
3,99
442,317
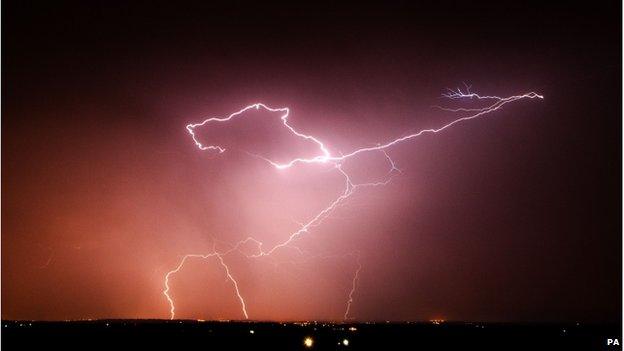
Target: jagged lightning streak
325,156
227,272
354,282
499,102
350,188
285,112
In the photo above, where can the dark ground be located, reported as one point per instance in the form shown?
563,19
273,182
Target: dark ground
177,335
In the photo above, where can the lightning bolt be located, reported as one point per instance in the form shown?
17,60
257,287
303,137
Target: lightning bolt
356,277
324,156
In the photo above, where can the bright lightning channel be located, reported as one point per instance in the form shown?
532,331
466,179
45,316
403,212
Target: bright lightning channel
324,156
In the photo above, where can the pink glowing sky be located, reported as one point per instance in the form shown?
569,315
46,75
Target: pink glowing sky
508,217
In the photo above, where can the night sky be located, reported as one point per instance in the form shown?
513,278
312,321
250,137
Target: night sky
512,217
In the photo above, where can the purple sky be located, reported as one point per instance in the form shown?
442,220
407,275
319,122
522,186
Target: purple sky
512,217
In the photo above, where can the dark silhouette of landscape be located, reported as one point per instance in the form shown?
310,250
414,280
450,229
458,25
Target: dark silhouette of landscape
316,335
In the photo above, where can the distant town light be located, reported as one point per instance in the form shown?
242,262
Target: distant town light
345,342
308,342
